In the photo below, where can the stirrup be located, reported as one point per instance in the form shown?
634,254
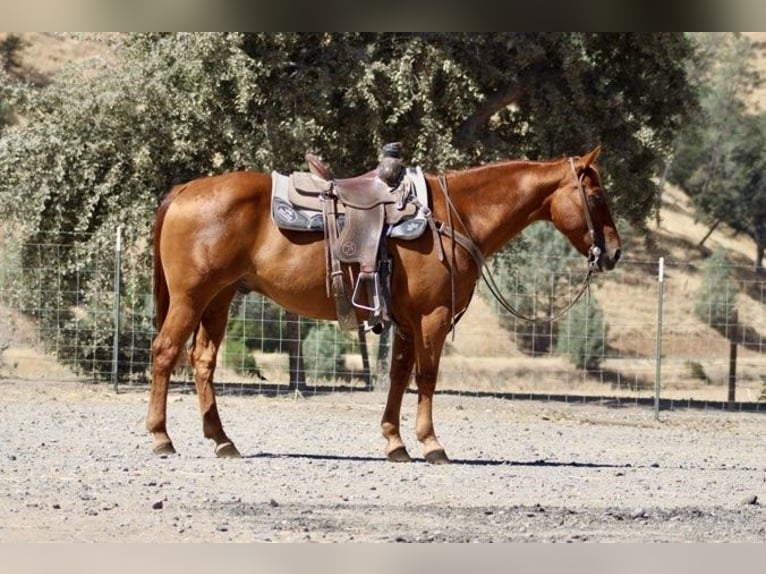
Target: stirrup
374,293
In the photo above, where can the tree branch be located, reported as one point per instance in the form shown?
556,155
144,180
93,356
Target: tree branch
493,104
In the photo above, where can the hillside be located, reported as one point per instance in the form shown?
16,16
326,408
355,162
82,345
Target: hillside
45,53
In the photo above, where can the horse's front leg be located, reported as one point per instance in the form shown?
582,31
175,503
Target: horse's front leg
402,360
428,350
203,357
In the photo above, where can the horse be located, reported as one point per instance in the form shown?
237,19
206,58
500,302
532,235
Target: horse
214,236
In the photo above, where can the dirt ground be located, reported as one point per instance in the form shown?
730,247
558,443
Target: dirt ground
76,466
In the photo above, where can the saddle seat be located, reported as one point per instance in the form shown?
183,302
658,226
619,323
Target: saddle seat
361,192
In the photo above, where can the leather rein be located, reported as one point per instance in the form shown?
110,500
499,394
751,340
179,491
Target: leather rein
469,244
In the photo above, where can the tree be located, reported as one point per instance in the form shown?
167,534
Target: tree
717,298
103,142
721,157
10,52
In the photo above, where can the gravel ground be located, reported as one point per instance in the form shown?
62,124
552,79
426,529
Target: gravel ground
75,465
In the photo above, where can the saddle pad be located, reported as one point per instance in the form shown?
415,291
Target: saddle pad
285,214
288,216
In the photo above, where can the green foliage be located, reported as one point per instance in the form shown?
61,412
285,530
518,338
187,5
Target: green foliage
238,357
166,107
6,109
324,351
716,303
107,138
258,324
583,336
540,269
697,371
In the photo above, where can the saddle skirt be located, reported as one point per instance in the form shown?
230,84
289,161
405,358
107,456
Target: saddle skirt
297,202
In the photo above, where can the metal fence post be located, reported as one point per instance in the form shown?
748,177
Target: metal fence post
116,340
658,352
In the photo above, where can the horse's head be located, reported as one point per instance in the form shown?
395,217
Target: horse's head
580,211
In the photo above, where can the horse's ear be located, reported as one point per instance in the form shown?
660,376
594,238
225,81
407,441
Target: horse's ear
589,158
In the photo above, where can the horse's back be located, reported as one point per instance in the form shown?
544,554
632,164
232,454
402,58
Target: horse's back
231,186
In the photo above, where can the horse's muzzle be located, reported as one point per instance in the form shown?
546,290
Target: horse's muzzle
608,260
602,260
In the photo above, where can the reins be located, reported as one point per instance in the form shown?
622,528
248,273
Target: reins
469,244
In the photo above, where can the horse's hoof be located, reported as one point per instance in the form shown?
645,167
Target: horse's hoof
399,455
437,457
164,448
227,450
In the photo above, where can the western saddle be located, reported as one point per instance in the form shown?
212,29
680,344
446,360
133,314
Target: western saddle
355,211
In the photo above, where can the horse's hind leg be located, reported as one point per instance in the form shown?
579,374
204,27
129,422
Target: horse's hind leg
207,340
166,348
402,360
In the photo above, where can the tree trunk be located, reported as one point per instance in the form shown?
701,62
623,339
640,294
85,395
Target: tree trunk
660,189
710,231
732,333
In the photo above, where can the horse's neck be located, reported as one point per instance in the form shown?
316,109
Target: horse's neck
498,201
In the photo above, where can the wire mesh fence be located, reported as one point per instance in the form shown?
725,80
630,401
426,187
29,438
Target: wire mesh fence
697,336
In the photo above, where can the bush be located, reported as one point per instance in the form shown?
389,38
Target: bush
534,288
582,336
324,351
258,323
697,371
238,357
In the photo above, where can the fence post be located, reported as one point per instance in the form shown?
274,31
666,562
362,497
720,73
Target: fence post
732,332
658,351
116,340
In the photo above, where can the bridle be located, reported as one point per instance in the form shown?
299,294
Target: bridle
594,253
469,244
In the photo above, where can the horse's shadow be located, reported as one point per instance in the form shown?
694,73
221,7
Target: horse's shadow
460,461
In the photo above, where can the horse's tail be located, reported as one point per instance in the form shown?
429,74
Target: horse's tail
161,293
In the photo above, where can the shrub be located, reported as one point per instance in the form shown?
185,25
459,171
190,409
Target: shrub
582,336
258,323
697,371
238,357
324,351
534,271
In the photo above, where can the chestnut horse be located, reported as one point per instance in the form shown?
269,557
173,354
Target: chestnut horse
214,236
